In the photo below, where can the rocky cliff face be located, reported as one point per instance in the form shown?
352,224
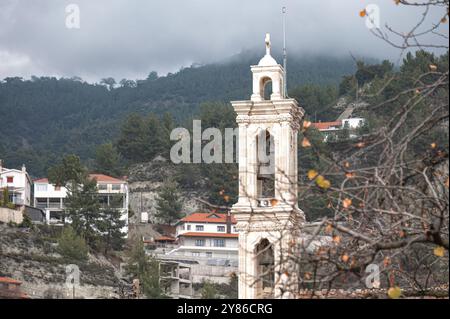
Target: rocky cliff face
31,257
145,181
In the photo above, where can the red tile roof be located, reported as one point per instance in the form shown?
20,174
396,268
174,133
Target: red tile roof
97,177
326,125
165,238
105,178
41,180
201,234
6,280
208,218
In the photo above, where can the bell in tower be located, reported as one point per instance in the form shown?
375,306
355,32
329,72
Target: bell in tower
267,209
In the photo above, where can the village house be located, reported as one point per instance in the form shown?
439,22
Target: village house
112,193
18,183
10,289
210,238
331,130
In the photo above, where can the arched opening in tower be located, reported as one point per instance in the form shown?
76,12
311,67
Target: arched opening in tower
265,269
266,88
266,165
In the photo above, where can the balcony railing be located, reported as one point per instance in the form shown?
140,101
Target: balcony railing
49,205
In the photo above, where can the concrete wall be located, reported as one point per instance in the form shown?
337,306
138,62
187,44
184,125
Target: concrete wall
217,274
11,215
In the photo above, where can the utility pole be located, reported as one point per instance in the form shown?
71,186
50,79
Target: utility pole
284,54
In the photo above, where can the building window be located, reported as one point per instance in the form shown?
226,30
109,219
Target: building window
221,229
116,187
208,254
199,227
10,179
41,187
219,242
195,254
200,242
102,187
234,229
188,227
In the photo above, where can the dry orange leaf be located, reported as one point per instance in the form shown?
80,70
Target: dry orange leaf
312,174
325,184
274,202
346,164
433,145
433,67
337,239
329,228
447,183
347,203
306,124
360,145
439,251
345,258
349,174
306,142
444,20
322,182
226,198
362,13
394,292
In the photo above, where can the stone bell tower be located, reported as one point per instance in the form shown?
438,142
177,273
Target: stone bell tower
267,212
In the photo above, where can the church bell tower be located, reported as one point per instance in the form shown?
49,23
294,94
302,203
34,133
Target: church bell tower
267,211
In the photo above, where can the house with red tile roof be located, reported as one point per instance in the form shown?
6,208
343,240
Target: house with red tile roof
209,238
10,289
111,192
332,128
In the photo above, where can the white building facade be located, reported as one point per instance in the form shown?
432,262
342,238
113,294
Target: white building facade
112,193
18,183
207,237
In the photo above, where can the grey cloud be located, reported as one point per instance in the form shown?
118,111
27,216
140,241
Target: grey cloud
129,38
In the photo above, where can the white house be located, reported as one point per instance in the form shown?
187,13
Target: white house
208,237
50,198
112,193
353,123
333,128
18,183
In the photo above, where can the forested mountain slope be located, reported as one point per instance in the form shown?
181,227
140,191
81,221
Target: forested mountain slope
44,118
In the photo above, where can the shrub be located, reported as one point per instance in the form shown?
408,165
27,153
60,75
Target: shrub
72,246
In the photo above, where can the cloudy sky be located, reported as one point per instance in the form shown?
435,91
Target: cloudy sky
129,38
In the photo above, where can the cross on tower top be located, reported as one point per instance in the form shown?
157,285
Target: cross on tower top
268,44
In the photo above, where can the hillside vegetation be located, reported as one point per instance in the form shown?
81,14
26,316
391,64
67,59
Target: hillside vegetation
44,118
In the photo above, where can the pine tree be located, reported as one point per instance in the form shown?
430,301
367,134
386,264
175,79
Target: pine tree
107,160
169,203
83,209
110,227
146,269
